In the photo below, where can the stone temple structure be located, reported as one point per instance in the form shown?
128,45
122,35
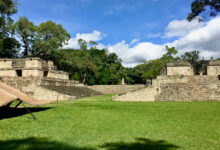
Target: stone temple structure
30,67
40,79
181,81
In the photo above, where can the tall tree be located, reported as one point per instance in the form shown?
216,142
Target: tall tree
50,36
86,64
26,32
8,44
200,6
7,9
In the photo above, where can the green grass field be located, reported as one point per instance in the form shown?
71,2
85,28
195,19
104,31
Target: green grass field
99,123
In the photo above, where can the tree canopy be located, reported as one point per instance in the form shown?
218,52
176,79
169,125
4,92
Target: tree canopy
200,6
49,37
26,31
90,65
191,57
8,45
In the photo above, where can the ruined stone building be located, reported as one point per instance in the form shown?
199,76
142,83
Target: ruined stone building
181,81
40,79
30,67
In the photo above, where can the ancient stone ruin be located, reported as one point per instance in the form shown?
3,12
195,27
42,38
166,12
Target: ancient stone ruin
40,79
181,81
30,67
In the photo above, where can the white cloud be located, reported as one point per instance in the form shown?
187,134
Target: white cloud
181,27
204,37
133,55
134,41
153,35
94,36
72,43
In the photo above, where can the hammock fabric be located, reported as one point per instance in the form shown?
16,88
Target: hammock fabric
9,94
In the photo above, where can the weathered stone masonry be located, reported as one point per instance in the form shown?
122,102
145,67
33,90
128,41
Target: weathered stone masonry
30,67
181,81
41,80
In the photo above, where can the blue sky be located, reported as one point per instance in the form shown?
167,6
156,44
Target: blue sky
118,19
117,22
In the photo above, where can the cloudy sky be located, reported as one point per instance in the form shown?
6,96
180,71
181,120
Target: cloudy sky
136,30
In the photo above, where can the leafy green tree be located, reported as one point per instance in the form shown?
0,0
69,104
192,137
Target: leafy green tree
50,36
10,48
191,57
8,44
26,32
151,69
83,44
7,9
170,52
200,6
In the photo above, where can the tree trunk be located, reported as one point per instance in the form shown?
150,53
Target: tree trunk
25,47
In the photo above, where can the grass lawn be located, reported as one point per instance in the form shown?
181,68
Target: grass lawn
99,123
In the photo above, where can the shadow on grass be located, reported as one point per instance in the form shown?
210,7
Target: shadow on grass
141,144
45,144
7,112
37,144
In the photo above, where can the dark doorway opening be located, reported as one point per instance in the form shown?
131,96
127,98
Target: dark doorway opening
19,73
219,77
45,73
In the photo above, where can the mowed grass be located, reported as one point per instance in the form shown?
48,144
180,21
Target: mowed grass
99,123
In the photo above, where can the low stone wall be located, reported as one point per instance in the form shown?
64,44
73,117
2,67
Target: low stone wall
115,89
144,94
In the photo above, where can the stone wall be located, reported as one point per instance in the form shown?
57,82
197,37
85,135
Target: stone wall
58,74
179,68
32,73
32,63
35,87
184,70
42,93
213,70
188,88
5,64
9,73
145,94
30,67
115,89
177,88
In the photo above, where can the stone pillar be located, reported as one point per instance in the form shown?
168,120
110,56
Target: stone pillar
123,81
